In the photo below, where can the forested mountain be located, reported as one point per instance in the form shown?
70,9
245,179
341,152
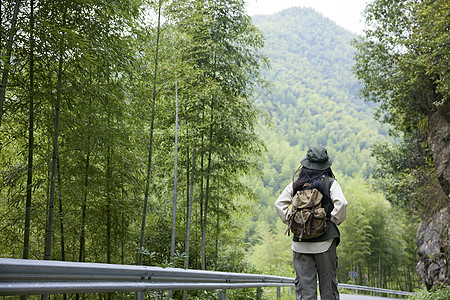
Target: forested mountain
314,99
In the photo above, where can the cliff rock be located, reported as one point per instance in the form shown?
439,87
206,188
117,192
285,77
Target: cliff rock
439,143
433,246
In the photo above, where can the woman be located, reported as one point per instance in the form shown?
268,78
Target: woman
317,256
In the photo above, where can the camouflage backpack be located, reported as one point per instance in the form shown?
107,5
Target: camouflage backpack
308,218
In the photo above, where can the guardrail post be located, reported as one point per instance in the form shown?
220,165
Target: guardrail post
258,293
223,294
278,292
139,295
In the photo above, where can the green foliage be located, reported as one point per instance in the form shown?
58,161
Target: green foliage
272,253
438,294
407,178
376,236
241,294
210,51
399,59
400,63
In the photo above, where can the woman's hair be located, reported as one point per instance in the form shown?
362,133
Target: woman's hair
313,177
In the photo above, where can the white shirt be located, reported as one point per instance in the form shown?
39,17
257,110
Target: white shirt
338,216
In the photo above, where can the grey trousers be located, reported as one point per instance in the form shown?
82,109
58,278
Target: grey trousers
308,266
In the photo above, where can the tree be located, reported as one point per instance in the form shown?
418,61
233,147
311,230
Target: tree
99,65
375,238
401,64
356,234
62,49
26,239
226,50
272,254
7,58
150,146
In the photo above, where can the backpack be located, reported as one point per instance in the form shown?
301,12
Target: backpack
308,218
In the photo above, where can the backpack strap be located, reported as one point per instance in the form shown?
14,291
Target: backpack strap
328,182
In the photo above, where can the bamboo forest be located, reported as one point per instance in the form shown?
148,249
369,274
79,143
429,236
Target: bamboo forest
161,132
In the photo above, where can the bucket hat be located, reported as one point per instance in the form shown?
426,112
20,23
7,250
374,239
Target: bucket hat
316,158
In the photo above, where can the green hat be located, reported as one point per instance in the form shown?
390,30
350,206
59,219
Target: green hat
316,158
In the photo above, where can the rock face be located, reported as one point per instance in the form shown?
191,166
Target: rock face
433,243
439,143
433,235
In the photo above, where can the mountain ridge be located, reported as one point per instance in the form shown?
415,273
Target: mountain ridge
301,33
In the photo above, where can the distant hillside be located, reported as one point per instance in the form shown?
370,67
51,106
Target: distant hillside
314,99
309,53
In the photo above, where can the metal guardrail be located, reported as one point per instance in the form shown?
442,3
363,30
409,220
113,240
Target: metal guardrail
373,289
38,277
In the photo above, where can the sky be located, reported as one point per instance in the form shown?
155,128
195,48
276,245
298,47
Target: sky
346,13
